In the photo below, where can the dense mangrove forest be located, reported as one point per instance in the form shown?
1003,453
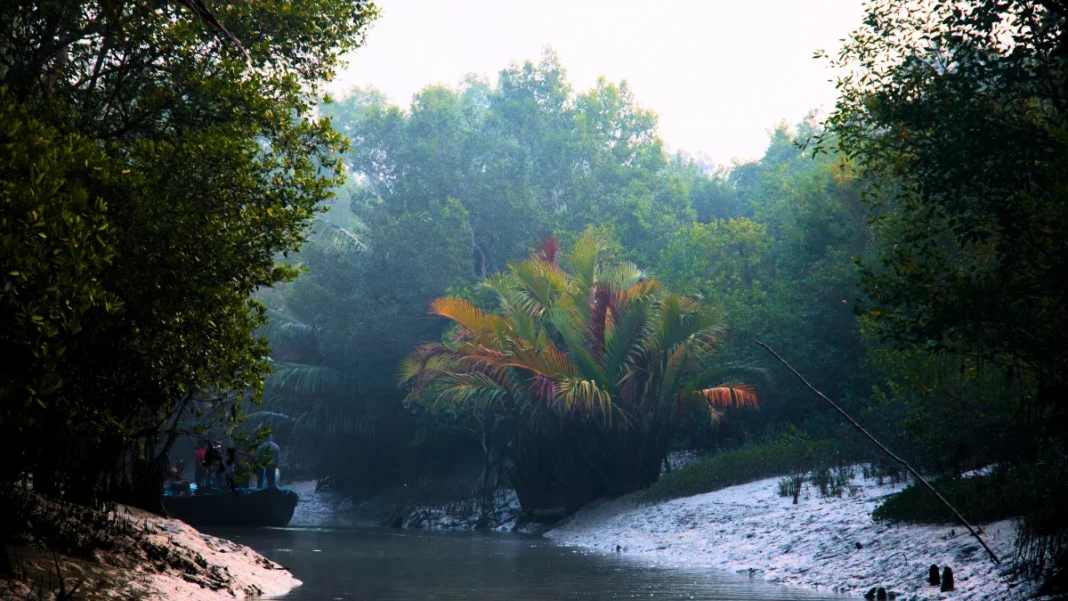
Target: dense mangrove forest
238,293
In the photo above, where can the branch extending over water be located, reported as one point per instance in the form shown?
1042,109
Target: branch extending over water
888,452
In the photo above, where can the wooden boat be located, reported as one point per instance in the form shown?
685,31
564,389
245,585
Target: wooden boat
241,507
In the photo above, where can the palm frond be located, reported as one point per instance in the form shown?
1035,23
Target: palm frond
588,343
258,420
331,418
573,332
475,357
473,388
583,258
305,380
718,373
464,313
415,364
621,276
644,289
539,283
586,395
671,372
730,396
282,326
625,336
681,320
547,361
336,237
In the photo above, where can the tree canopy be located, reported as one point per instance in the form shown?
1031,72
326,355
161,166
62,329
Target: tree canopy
958,111
168,160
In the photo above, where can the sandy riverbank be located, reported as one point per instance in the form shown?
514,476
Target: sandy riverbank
813,544
153,559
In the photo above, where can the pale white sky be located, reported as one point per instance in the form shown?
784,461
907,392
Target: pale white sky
719,73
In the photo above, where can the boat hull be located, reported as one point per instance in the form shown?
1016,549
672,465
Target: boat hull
238,508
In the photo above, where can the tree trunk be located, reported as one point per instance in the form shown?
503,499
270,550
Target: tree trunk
147,477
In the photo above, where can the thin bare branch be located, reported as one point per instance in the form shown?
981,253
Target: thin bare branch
888,452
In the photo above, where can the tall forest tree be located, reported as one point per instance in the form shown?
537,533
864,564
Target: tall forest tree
782,268
161,159
960,113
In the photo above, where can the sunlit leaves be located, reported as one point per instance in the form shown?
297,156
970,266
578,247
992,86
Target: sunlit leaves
598,348
478,322
730,396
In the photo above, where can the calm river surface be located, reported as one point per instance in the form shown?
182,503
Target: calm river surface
356,564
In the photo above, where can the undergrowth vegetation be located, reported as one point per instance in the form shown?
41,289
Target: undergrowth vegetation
1002,493
740,466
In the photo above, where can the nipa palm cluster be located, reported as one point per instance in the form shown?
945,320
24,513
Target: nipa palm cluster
589,365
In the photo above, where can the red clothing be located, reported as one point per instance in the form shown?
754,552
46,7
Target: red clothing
200,455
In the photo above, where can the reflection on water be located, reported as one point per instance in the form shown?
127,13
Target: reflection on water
391,565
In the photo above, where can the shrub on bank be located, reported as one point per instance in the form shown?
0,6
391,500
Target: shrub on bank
741,466
1001,494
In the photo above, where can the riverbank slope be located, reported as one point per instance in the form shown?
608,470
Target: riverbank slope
131,554
820,543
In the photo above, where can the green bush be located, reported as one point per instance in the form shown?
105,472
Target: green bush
1002,494
741,466
790,486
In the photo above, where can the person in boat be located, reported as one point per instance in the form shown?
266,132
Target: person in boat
213,465
269,452
176,481
177,473
200,456
230,464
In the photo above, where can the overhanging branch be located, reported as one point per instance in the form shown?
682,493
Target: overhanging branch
888,452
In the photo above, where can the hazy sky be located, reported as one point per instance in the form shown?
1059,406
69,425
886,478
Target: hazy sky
719,73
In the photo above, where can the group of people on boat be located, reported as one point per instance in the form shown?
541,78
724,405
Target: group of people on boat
215,466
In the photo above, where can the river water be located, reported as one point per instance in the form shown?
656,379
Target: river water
373,564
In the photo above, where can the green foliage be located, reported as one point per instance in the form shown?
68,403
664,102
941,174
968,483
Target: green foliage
459,185
969,183
832,481
1042,544
56,244
448,192
959,114
740,466
338,332
959,412
193,164
784,274
595,360
724,261
525,158
1001,494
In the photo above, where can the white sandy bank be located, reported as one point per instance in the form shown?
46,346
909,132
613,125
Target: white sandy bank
145,557
227,570
749,528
